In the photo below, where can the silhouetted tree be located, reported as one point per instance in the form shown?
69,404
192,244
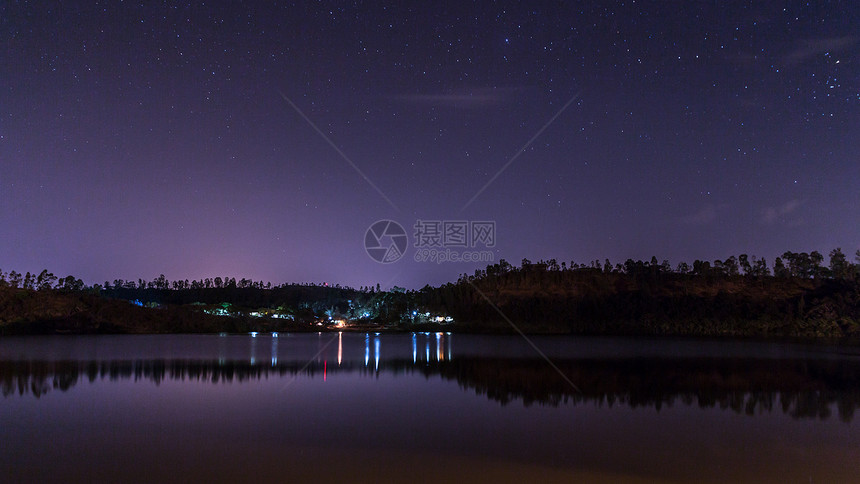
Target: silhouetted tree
840,268
28,281
731,266
798,264
779,269
743,261
45,280
759,267
161,282
701,268
14,279
816,270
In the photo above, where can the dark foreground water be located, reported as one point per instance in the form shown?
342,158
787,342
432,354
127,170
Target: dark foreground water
425,408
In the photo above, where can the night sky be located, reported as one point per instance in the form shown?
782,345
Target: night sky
262,141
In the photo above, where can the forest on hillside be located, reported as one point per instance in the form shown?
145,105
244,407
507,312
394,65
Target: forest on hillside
738,296
799,295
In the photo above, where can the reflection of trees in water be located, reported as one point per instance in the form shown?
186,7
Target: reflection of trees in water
800,388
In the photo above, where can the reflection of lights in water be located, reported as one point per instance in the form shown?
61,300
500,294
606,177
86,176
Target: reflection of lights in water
222,343
448,337
253,348
427,347
366,349
376,350
414,348
325,370
339,347
439,355
274,351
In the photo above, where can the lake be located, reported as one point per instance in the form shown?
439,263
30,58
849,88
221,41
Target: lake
422,407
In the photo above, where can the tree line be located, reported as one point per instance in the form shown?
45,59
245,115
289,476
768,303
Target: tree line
742,295
46,280
798,295
43,281
789,264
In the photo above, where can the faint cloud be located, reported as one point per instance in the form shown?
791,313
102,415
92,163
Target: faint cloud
807,49
462,99
703,216
783,213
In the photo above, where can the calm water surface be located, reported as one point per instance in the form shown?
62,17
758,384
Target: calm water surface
421,407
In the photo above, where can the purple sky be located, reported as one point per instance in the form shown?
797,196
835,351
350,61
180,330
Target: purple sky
137,140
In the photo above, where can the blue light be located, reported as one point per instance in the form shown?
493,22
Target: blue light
376,351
